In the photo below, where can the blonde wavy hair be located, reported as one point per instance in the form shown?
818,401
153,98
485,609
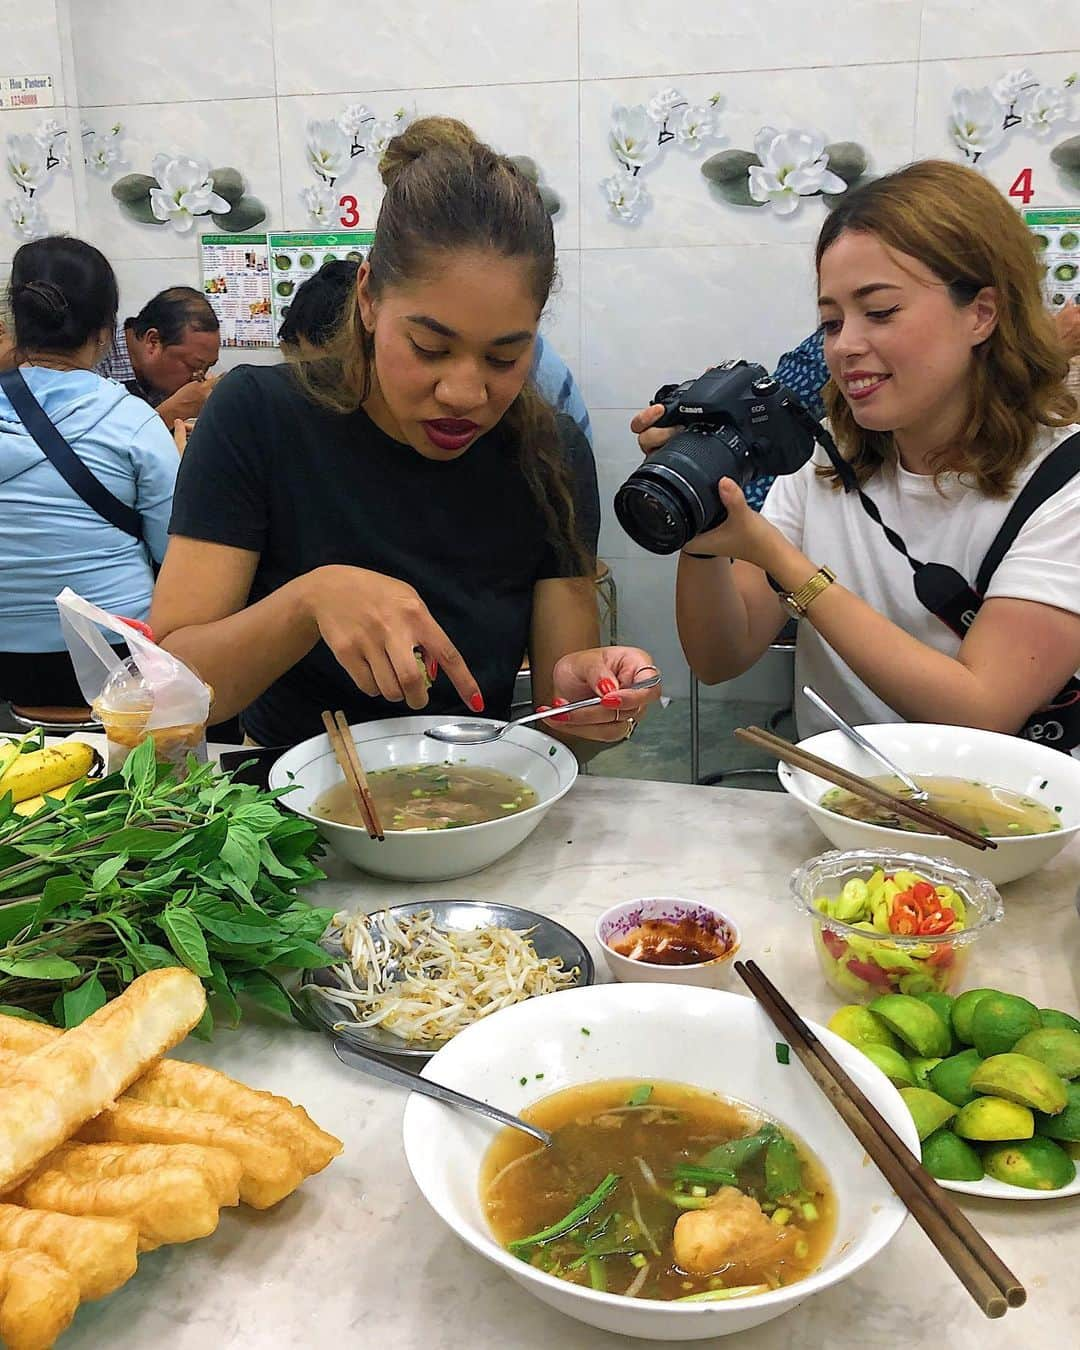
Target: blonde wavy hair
960,227
446,190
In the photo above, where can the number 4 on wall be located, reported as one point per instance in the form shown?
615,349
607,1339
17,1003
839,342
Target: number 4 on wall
1022,186
350,210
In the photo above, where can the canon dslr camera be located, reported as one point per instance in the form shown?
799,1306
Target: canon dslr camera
738,423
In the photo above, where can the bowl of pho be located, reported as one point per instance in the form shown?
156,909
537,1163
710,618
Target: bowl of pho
1024,796
696,1185
446,810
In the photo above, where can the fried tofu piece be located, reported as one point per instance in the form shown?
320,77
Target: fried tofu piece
732,1230
269,1170
101,1254
56,1089
38,1299
173,1082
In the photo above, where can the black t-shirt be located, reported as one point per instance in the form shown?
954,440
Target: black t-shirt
267,470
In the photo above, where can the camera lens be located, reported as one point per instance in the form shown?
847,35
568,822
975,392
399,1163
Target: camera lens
672,497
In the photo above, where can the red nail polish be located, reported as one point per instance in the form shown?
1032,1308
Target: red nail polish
561,702
543,707
606,686
612,701
561,717
476,703
433,669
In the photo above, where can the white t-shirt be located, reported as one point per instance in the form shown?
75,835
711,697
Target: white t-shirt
954,524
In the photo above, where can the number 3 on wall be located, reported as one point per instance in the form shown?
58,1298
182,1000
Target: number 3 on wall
350,210
1022,186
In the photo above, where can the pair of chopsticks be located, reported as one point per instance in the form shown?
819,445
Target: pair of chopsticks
348,758
987,1279
799,758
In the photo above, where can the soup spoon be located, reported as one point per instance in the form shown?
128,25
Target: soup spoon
390,1073
916,792
478,733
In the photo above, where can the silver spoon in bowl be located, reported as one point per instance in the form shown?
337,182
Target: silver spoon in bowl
477,733
390,1073
916,792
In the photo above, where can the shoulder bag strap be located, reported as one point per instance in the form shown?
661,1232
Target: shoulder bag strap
64,460
1059,467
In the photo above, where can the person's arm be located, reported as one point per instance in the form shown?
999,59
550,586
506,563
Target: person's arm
155,463
372,623
567,664
727,615
188,401
1017,654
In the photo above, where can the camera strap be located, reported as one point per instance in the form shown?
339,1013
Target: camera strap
949,596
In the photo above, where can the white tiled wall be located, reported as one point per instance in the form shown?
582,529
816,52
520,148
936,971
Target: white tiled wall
236,81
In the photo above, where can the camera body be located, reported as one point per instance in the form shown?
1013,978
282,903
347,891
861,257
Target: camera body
738,422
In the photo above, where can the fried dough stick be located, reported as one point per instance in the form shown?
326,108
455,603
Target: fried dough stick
56,1089
38,1299
172,1203
193,1087
100,1254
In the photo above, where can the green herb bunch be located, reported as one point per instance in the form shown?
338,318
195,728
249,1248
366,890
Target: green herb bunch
138,871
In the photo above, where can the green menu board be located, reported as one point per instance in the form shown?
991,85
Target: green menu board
295,256
1057,239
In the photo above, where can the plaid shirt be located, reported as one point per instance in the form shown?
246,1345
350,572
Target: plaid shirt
116,363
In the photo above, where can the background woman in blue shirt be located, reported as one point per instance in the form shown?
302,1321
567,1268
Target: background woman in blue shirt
63,300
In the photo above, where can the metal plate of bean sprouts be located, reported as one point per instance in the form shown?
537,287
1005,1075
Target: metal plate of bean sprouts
410,977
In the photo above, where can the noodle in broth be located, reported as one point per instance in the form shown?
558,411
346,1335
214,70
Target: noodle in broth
430,797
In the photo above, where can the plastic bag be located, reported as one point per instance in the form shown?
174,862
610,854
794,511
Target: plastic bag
149,694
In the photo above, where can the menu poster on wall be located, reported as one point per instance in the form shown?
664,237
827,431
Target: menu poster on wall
296,256
1057,240
236,281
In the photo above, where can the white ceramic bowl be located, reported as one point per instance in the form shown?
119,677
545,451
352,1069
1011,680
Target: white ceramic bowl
619,920
714,1040
545,764
956,752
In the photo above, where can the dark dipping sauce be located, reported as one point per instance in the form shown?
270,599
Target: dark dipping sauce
664,942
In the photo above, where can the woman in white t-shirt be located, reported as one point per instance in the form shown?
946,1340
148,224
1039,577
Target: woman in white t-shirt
947,391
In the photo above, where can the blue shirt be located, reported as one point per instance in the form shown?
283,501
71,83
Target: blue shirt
49,537
805,373
553,379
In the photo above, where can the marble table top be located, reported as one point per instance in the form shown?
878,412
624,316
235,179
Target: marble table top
356,1258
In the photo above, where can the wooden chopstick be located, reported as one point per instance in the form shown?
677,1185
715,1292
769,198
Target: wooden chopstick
990,1282
799,758
345,752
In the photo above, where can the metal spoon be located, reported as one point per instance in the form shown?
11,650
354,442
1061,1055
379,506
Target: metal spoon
476,733
390,1073
917,793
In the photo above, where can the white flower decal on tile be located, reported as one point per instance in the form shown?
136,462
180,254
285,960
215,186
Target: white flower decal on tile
793,164
26,217
185,190
639,135
979,120
34,157
626,195
327,149
320,203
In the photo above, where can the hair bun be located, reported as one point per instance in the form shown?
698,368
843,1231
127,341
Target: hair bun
419,138
47,302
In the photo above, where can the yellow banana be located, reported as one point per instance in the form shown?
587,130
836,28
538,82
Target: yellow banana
34,804
42,771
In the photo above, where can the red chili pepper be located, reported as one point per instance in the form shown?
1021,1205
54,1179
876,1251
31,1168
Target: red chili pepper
935,924
922,891
904,919
942,956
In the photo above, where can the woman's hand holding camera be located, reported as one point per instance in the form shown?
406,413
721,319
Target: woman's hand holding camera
373,624
744,534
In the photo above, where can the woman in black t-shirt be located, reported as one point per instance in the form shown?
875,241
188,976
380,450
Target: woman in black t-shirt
405,490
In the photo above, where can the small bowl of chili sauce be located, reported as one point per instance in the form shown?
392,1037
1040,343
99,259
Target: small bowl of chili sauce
668,940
